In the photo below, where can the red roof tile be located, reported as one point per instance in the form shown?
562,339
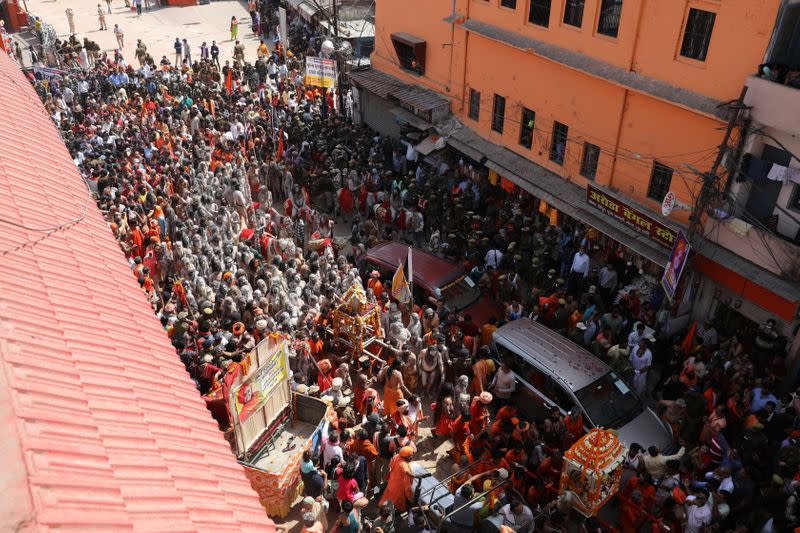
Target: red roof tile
91,440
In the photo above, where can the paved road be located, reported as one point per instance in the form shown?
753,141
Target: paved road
157,28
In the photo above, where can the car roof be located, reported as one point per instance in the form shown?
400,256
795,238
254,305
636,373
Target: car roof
430,271
567,361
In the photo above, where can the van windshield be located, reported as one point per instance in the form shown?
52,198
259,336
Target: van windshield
610,402
460,294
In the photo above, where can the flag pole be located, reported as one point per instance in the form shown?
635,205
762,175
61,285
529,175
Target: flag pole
411,278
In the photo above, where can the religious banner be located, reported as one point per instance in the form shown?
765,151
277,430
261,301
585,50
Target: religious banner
633,217
47,72
251,395
320,72
677,261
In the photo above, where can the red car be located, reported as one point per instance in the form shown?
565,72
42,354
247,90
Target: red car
434,277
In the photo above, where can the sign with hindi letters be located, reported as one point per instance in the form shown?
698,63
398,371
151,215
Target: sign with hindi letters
641,222
320,72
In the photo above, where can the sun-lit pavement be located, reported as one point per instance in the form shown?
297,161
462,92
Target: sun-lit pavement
157,28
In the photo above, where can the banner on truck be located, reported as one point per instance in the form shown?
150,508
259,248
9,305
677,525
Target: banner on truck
253,393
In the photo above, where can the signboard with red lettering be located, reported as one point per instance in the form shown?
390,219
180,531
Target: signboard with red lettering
631,216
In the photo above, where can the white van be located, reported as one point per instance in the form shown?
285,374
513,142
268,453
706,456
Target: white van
554,371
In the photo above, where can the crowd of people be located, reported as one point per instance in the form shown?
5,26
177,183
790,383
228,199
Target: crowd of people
224,185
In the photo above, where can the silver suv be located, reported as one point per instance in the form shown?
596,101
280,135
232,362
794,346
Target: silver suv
553,371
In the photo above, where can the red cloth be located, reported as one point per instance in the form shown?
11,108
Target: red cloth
279,151
346,200
477,411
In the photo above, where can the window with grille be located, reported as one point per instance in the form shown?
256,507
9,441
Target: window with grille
526,127
591,156
540,12
512,4
573,12
499,113
474,104
697,35
660,180
608,23
558,146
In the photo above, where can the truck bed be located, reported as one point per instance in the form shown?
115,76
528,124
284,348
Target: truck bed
276,460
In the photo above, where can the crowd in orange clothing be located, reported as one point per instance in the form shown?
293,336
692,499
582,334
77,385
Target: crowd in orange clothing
189,176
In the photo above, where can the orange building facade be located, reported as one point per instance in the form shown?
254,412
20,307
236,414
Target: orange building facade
622,99
625,94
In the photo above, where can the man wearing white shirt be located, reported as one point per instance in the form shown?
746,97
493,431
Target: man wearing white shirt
698,512
579,271
504,384
637,334
517,516
641,358
493,258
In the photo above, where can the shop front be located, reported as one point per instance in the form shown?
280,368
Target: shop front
736,293
637,241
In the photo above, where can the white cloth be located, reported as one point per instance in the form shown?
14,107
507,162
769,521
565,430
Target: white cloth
329,451
493,258
777,172
504,384
793,175
697,517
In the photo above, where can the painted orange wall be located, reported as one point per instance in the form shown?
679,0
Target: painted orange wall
636,127
444,59
742,31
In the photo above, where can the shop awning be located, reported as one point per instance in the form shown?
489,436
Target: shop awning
424,102
429,144
409,118
548,186
306,8
765,289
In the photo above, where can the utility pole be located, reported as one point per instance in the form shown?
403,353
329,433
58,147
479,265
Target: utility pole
339,63
710,179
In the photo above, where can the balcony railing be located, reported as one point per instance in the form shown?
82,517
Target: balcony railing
774,95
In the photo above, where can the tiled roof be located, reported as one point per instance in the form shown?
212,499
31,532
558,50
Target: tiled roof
102,428
376,81
384,85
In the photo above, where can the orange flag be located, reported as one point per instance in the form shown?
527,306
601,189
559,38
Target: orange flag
279,151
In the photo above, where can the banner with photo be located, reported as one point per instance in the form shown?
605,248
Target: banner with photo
675,266
251,395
